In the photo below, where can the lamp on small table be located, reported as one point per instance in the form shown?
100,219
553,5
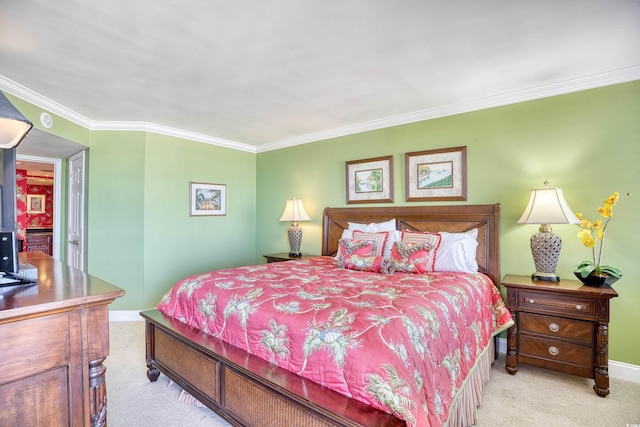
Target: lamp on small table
294,212
547,206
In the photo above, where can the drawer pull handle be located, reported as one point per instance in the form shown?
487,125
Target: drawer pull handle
553,350
532,301
554,327
578,307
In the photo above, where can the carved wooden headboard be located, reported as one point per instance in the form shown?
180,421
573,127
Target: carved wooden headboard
451,218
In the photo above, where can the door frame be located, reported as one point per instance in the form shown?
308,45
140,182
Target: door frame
57,198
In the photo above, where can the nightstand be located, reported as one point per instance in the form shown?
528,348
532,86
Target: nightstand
283,256
561,326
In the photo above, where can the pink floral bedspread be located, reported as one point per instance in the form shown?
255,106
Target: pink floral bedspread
402,343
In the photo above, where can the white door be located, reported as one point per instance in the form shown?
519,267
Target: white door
75,241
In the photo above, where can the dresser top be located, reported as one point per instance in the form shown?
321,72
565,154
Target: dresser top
60,287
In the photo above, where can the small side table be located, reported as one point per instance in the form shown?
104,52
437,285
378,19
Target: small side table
562,326
282,256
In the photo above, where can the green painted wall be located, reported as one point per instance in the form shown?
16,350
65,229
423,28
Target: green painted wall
141,236
588,143
178,245
115,212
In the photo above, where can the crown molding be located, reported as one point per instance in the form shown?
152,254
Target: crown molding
623,75
169,131
559,88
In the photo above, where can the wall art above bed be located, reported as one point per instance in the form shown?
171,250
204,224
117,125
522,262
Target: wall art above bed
436,175
208,199
370,180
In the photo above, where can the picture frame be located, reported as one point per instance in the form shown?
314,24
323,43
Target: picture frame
35,203
207,199
369,180
436,175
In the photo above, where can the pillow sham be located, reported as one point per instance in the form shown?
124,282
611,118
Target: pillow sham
379,240
394,236
415,253
457,252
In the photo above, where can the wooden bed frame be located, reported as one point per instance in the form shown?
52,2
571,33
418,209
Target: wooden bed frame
249,391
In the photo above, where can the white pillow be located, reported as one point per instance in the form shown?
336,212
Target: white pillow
374,226
394,236
457,252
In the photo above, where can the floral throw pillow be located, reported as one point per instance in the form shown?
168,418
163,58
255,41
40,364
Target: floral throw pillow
415,253
350,246
375,264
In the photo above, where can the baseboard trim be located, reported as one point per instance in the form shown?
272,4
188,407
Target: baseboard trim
125,315
618,370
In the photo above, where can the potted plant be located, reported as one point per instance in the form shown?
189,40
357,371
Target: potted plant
592,272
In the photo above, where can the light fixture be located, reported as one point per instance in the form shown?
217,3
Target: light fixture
547,206
13,125
294,212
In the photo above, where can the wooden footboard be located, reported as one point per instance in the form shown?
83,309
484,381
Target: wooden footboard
244,389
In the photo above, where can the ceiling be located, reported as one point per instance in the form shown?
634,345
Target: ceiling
259,75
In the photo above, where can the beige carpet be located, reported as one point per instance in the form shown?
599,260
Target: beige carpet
532,397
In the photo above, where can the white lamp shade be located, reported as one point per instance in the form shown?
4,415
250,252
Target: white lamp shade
548,206
13,125
294,211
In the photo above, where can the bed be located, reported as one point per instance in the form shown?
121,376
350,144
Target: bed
250,385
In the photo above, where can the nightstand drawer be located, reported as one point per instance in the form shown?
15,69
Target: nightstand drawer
546,302
558,351
557,327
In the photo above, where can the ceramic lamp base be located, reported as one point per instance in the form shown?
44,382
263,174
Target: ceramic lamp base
545,248
295,239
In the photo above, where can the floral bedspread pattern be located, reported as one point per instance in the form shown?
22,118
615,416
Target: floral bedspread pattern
402,343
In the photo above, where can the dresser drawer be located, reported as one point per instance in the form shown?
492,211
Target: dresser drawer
558,351
545,302
556,327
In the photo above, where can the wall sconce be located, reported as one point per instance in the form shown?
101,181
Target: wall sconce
13,125
294,212
547,206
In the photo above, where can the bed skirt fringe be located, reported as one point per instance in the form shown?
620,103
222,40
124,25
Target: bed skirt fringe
185,397
464,408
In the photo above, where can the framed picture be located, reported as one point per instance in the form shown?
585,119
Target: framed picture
436,175
370,180
35,203
208,199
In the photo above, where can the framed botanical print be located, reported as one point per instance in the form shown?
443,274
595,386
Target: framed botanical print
370,180
208,199
436,175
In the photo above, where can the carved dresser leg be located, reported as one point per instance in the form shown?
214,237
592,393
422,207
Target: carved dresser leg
601,368
512,350
97,393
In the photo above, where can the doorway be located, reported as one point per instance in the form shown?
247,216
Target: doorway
40,218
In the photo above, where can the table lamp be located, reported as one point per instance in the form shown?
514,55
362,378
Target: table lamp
294,212
547,206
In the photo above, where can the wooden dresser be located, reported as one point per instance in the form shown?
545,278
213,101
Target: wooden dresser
54,337
560,325
40,241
